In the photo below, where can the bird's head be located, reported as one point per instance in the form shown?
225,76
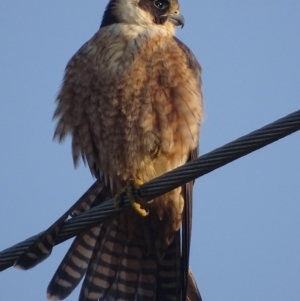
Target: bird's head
143,12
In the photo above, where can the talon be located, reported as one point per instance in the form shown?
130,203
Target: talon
137,207
131,190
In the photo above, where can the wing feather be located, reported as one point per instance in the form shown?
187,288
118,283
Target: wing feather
42,247
188,281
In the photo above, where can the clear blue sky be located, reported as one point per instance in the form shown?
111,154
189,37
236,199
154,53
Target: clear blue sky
246,227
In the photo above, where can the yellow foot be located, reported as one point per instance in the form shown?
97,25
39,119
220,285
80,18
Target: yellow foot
131,190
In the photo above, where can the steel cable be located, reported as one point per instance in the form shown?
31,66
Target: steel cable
160,185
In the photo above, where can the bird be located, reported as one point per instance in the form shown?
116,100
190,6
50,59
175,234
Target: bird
131,100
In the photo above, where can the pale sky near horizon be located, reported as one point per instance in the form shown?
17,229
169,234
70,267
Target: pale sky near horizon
246,227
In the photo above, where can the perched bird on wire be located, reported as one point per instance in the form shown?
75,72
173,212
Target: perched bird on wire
131,100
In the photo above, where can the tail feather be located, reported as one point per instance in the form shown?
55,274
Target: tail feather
116,267
74,265
103,267
193,293
128,273
39,252
42,247
169,274
113,271
120,270
147,285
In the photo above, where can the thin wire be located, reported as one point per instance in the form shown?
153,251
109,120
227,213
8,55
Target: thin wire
177,177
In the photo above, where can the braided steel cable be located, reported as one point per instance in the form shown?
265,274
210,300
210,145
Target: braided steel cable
160,185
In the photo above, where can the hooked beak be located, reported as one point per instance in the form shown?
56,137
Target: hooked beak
177,18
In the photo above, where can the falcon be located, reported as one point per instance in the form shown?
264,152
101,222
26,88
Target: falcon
131,100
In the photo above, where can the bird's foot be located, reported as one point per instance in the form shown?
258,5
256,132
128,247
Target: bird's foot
131,190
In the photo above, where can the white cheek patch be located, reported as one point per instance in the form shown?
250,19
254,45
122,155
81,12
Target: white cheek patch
129,12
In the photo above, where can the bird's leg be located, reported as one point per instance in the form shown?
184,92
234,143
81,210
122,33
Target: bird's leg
132,190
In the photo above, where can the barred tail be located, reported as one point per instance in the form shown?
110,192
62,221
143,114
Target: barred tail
42,247
74,265
116,268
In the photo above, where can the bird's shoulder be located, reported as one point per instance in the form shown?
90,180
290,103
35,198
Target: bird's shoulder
191,59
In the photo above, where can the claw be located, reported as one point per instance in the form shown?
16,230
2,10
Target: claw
137,207
132,187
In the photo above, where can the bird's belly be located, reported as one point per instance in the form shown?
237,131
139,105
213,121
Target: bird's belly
156,231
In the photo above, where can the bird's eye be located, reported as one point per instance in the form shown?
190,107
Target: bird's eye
161,4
